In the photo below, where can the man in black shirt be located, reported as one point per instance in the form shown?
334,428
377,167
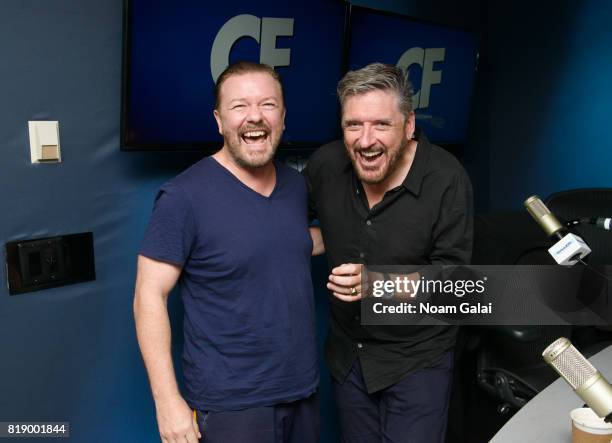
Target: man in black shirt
386,196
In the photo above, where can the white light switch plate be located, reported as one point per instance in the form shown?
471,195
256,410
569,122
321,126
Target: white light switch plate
43,133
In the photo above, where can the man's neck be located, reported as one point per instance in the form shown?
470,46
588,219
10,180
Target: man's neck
376,191
261,180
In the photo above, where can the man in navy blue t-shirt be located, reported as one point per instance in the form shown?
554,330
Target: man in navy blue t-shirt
232,230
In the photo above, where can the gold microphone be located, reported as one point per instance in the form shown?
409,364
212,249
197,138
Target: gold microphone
586,381
542,215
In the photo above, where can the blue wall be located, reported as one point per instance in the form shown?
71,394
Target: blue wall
70,354
548,67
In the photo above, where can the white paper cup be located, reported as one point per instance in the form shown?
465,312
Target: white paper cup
587,427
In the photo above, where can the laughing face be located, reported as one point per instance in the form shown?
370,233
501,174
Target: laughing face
376,134
251,117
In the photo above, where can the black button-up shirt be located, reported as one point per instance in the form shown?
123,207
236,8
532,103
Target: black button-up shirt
426,220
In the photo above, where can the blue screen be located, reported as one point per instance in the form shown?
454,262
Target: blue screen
440,62
169,97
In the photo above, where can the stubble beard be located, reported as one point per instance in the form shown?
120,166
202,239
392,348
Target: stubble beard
241,156
393,162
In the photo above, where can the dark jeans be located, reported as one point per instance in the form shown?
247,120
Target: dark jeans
295,422
414,410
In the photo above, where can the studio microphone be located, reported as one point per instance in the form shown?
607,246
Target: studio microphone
586,381
569,248
604,223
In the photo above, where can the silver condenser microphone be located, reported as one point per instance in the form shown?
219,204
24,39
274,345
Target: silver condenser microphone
568,248
586,381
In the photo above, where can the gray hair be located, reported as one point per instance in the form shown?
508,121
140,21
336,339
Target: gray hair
377,76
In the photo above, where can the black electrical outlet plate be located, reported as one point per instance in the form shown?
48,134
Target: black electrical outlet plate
44,263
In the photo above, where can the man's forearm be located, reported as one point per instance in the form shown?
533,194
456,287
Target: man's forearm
318,247
154,338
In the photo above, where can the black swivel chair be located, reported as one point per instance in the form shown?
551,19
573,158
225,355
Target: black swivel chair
588,203
509,363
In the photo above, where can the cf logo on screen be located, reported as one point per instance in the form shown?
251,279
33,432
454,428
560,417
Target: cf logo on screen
425,58
264,31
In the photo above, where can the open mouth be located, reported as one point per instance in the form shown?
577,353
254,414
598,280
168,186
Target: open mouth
254,136
370,156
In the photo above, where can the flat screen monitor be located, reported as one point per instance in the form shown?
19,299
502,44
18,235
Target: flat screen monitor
174,51
440,61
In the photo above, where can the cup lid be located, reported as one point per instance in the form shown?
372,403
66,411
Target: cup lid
586,420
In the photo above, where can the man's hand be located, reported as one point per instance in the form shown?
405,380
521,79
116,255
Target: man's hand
176,421
345,282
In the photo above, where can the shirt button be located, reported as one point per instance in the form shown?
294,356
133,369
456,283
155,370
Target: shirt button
360,345
356,318
369,222
361,255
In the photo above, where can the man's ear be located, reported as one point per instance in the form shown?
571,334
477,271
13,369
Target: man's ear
218,119
410,125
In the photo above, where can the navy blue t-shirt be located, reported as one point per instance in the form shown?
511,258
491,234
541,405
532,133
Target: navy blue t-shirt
246,285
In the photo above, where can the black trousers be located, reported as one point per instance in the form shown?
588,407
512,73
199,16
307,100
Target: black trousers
295,422
414,410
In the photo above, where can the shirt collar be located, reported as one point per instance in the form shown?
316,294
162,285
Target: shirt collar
416,174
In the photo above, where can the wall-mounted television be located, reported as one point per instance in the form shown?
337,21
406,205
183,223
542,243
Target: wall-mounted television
440,62
173,52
